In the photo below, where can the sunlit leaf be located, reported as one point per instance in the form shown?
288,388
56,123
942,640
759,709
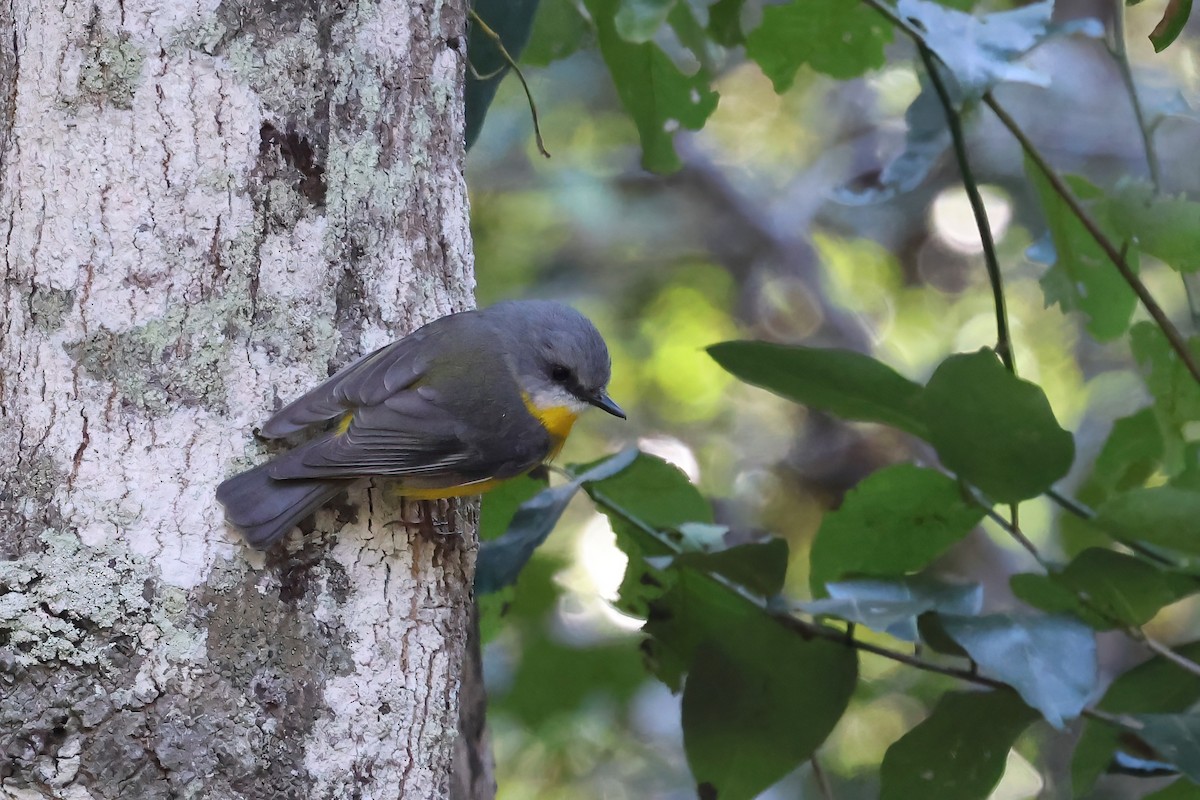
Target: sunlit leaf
840,39
1162,515
1156,686
659,98
893,607
894,522
993,429
844,383
1080,277
1105,589
959,751
1049,660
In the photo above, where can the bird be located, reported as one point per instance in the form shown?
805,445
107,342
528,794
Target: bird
455,408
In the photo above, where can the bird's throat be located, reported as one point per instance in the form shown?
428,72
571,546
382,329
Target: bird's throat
557,420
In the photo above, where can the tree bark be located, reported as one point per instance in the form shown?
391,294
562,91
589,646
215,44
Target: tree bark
207,208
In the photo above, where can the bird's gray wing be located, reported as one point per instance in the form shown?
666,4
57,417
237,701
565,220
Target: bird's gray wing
464,430
365,382
412,435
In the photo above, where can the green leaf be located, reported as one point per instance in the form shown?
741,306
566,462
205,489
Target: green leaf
951,755
659,496
725,22
500,505
1163,515
501,560
1167,228
578,675
512,20
1155,686
1105,589
993,429
1182,789
638,20
759,567
759,697
1131,453
844,383
1049,660
558,31
658,97
893,607
1080,277
841,39
1173,20
657,493
1176,393
981,52
1175,737
894,522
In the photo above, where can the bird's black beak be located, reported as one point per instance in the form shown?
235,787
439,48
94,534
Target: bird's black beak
603,401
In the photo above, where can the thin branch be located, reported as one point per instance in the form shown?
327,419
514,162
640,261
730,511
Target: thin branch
1003,340
1070,504
1120,54
1174,338
823,785
1013,530
495,37
810,630
1083,512
1181,661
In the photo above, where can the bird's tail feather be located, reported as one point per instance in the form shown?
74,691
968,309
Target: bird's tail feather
265,509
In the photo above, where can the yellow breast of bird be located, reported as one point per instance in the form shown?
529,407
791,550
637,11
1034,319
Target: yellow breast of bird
557,420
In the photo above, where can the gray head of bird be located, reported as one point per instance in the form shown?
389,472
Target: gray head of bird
557,354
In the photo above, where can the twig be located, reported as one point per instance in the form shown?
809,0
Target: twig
1003,341
1120,54
495,37
1085,513
810,630
1174,338
823,785
1181,661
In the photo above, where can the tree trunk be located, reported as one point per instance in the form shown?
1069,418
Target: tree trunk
207,208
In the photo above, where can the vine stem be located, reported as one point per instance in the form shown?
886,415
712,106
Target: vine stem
1003,339
1111,251
1132,631
495,37
1120,54
811,630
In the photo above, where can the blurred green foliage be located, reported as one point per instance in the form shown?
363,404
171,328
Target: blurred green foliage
828,222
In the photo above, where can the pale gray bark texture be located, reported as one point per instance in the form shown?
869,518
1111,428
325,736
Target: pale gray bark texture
205,207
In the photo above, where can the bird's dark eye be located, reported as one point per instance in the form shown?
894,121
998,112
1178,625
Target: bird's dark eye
559,373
